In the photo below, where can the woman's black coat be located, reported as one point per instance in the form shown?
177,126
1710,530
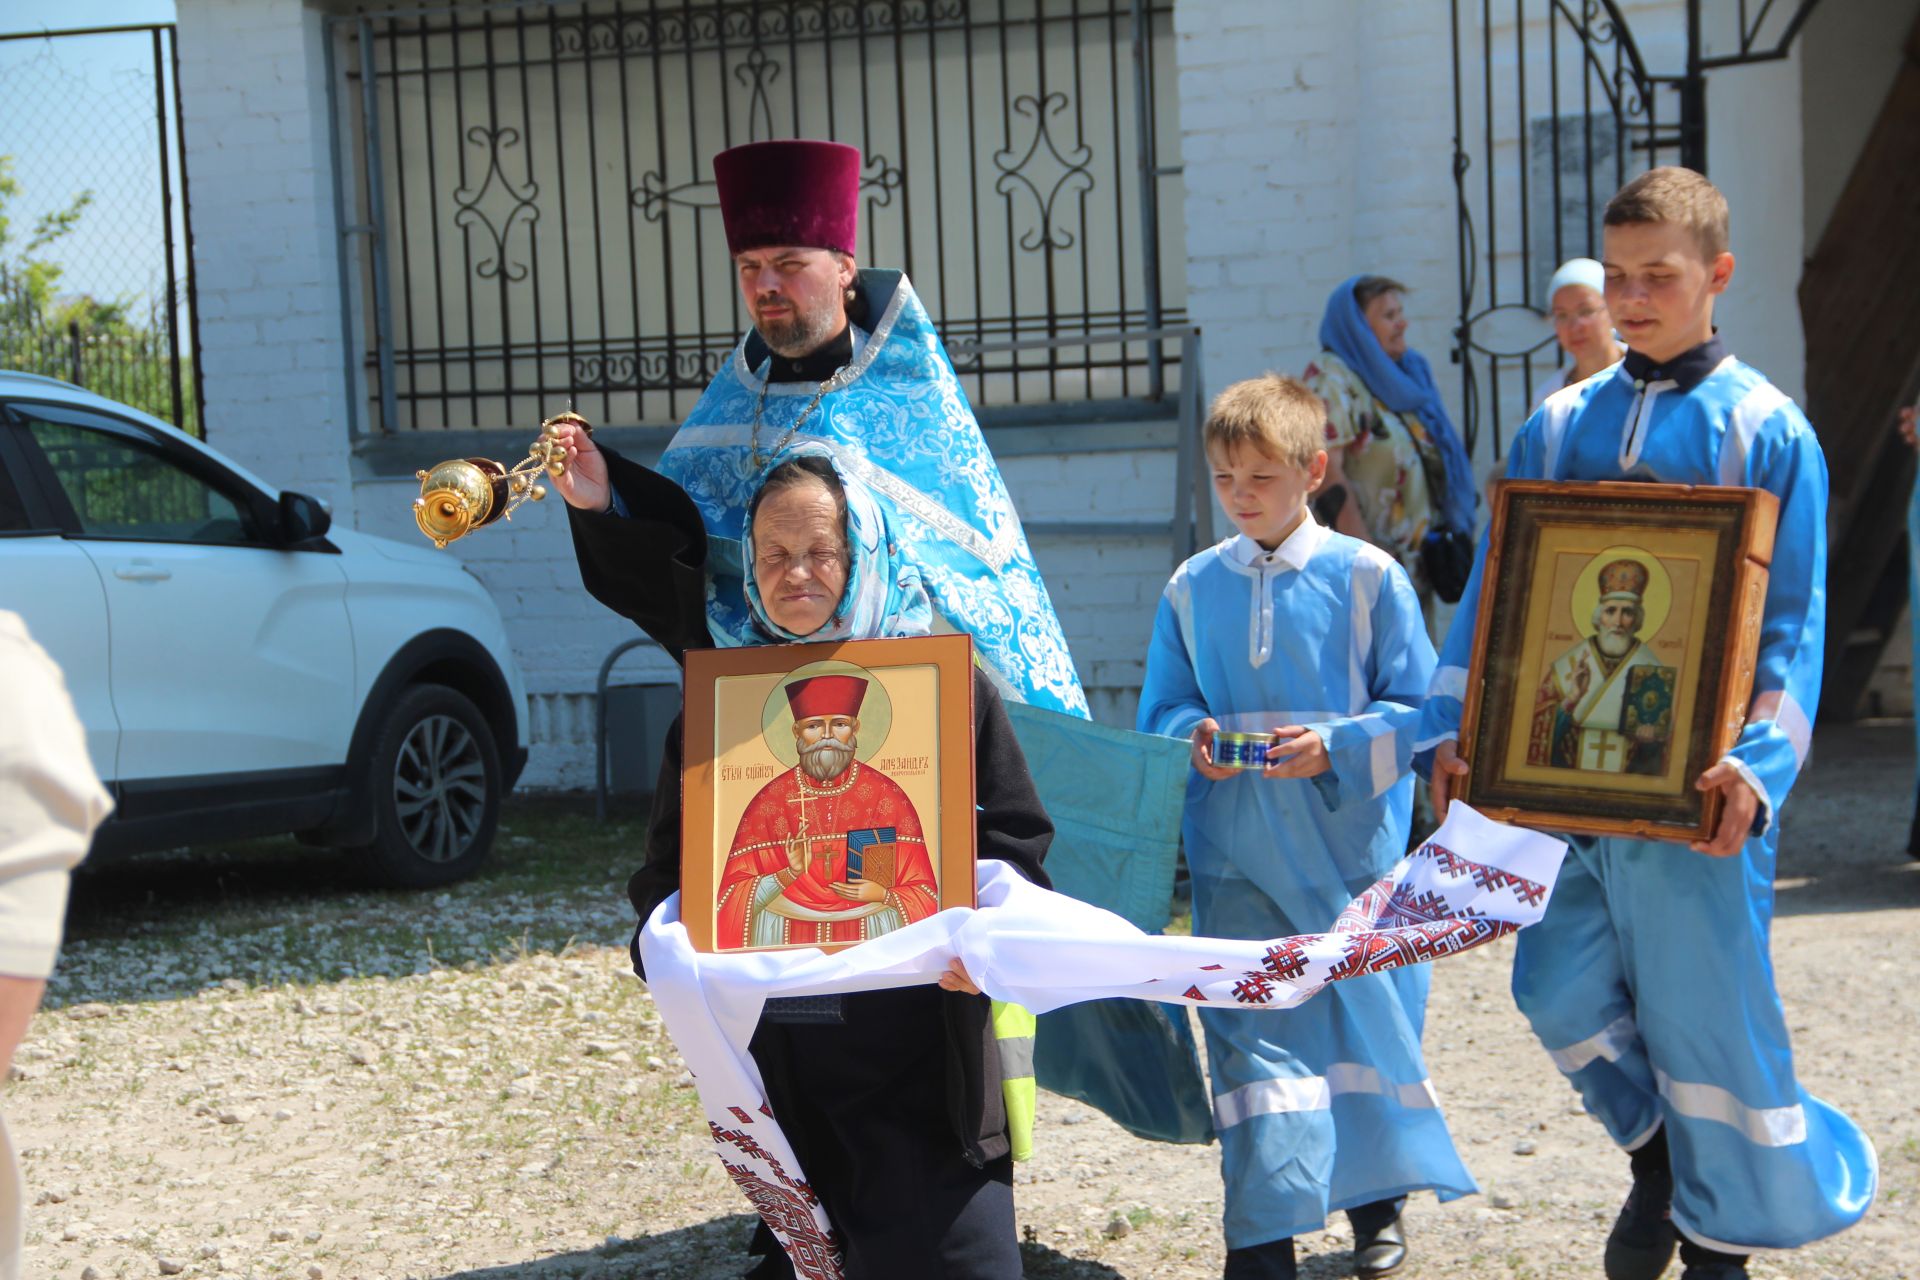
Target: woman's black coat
650,566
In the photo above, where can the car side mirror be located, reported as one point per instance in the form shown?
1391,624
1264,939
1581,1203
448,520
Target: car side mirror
302,518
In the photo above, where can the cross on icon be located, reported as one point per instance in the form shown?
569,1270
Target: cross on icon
1603,750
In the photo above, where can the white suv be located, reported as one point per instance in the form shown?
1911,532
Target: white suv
241,667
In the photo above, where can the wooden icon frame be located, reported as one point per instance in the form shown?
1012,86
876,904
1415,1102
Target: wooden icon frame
1717,544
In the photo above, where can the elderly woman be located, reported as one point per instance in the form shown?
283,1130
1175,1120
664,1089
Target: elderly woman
891,1099
1398,475
1577,302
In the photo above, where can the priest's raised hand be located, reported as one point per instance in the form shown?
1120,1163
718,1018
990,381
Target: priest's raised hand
584,483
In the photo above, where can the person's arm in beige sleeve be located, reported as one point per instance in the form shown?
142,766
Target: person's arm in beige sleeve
50,803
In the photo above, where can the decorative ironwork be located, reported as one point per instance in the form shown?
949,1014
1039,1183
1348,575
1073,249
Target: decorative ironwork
650,369
1597,121
591,263
518,199
880,180
1606,116
1072,168
715,26
1750,25
653,196
757,71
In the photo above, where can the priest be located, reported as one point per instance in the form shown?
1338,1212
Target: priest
849,359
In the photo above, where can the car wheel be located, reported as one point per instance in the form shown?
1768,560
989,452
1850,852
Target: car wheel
434,779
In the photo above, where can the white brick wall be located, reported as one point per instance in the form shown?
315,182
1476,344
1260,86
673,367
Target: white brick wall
1316,146
254,100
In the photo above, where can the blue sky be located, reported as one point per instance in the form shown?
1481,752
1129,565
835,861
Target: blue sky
40,15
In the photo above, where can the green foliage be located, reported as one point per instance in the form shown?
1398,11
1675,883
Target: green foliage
33,275
105,345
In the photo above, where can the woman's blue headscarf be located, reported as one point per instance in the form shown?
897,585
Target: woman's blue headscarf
1405,385
884,596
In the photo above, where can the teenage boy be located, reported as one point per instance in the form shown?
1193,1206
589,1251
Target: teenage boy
1314,641
1649,981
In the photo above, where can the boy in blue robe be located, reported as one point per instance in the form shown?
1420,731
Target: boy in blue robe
1649,981
1315,641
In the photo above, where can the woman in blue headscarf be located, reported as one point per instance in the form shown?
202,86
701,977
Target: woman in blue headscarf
891,1099
1397,470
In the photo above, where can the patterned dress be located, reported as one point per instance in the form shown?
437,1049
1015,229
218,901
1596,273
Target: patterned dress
1394,470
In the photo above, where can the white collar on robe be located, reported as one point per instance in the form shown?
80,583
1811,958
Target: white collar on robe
1291,554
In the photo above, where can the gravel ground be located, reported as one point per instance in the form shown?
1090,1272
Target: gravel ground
248,1071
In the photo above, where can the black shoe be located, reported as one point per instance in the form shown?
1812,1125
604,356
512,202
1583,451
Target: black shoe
1379,1252
1709,1264
1643,1239
1270,1261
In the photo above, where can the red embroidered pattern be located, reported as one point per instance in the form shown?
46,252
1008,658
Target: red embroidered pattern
1414,944
1486,877
787,1204
1286,959
1254,988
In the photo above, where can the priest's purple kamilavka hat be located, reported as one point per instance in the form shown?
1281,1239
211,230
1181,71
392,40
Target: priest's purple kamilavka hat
791,192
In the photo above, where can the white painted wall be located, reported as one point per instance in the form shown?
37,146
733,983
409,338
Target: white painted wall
1317,139
1754,157
253,102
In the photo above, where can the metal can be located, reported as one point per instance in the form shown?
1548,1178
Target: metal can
1241,750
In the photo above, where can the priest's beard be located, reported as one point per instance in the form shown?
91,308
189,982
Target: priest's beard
1615,644
801,333
826,759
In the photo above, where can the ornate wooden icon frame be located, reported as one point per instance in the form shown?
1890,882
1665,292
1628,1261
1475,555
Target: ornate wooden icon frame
702,849
1744,521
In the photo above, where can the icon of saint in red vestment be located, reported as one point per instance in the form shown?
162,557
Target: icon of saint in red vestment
786,881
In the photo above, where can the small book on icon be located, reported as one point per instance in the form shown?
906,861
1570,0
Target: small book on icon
870,855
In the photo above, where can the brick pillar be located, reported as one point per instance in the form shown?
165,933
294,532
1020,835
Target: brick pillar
254,101
1317,139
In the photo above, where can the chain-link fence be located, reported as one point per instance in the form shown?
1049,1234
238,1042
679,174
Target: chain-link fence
94,269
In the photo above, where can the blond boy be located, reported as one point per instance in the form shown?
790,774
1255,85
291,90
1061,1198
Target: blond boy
1649,980
1313,641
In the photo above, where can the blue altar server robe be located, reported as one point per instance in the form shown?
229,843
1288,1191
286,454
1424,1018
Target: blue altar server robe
1650,981
1327,1106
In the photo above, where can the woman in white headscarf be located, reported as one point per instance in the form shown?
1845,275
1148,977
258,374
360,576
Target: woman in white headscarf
1577,304
891,1099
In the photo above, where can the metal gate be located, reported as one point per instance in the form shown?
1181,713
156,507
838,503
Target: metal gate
533,185
96,280
1554,108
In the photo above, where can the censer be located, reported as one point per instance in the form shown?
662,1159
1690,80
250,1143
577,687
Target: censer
462,494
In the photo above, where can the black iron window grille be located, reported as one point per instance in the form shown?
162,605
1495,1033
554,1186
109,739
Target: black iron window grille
534,188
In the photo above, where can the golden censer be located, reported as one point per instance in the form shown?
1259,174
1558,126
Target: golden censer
462,494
